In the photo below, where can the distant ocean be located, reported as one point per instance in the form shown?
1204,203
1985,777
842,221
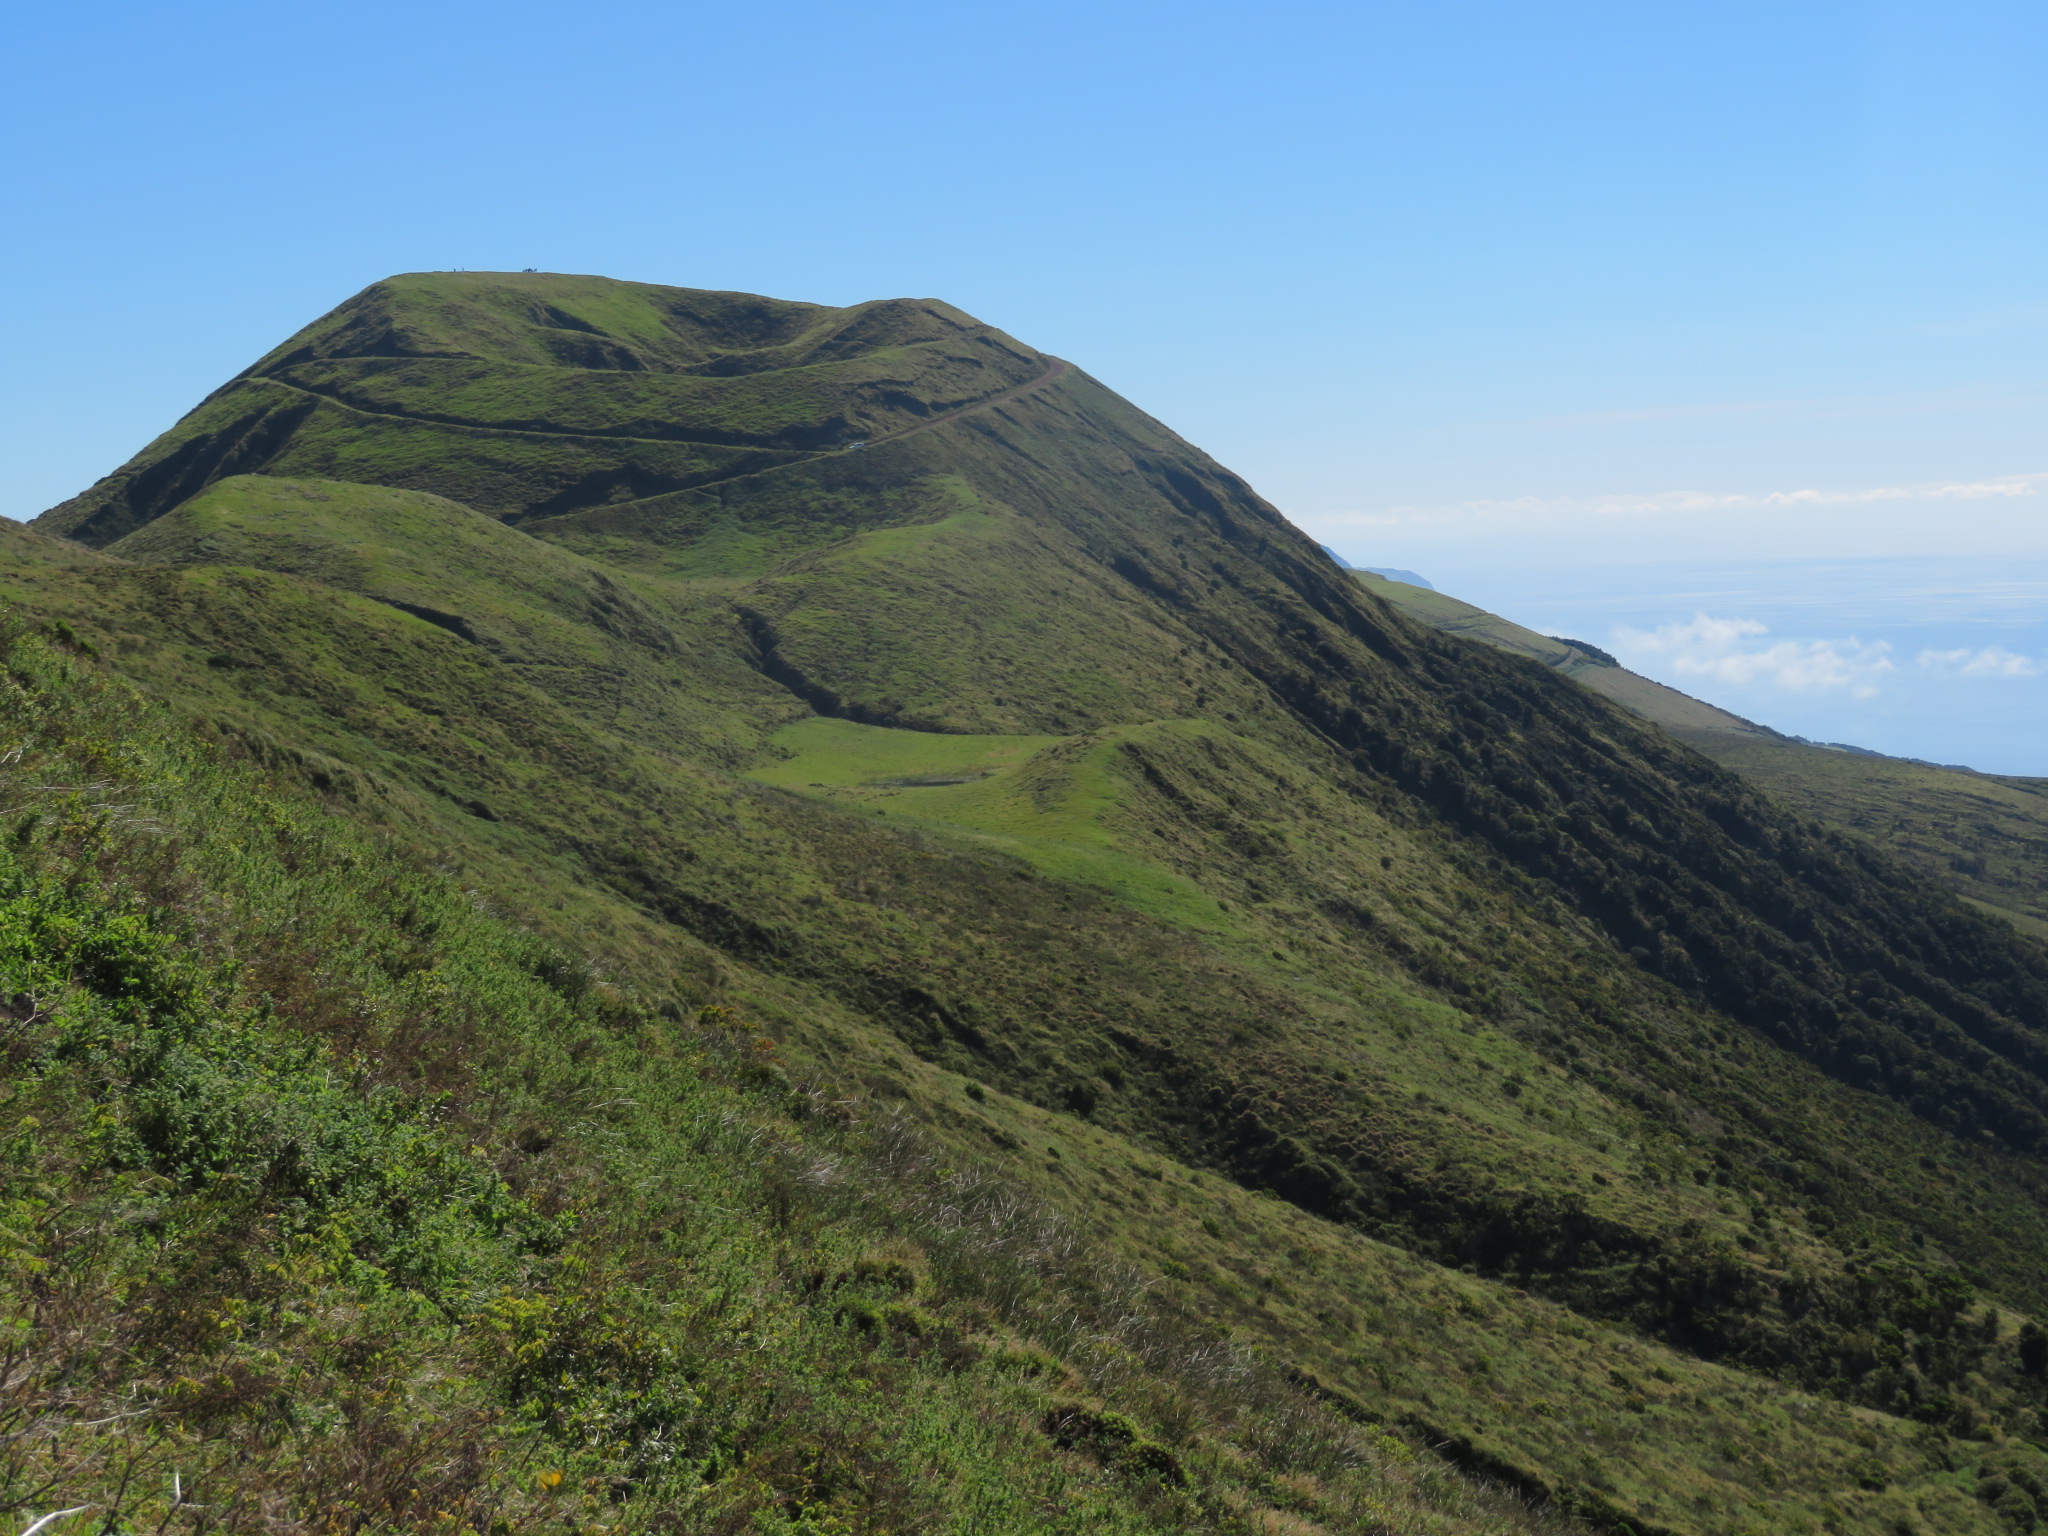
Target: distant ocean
1943,659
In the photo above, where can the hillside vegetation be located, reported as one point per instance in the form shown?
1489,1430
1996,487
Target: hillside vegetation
333,1201
1279,1016
1984,836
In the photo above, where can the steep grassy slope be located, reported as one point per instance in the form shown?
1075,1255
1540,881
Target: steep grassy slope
1645,696
333,1202
1244,879
514,759
613,649
1983,836
1476,1367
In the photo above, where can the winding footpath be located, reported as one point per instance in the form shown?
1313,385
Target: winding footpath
1055,368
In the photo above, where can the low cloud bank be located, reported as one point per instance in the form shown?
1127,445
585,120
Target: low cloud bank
1733,651
1999,488
1720,501
1991,661
1725,651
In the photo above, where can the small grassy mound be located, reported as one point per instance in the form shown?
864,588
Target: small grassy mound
1051,801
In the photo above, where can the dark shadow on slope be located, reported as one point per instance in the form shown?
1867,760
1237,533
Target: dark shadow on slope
241,447
769,661
454,623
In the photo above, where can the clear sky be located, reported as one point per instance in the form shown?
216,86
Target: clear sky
1568,306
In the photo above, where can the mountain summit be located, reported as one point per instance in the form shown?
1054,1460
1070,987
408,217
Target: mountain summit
527,396
1469,1055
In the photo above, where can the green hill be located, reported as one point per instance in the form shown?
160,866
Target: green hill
531,396
1445,1053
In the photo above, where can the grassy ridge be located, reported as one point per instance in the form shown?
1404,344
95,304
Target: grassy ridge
435,1064
539,799
348,1203
631,655
506,1093
1249,882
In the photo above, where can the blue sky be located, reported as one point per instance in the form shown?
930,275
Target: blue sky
1622,315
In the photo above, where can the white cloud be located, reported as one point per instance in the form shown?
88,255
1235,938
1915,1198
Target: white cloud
2004,487
1991,661
1721,650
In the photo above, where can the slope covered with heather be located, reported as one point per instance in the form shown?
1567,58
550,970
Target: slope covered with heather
1467,1051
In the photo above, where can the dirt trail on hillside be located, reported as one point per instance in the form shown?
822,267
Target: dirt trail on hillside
1055,367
